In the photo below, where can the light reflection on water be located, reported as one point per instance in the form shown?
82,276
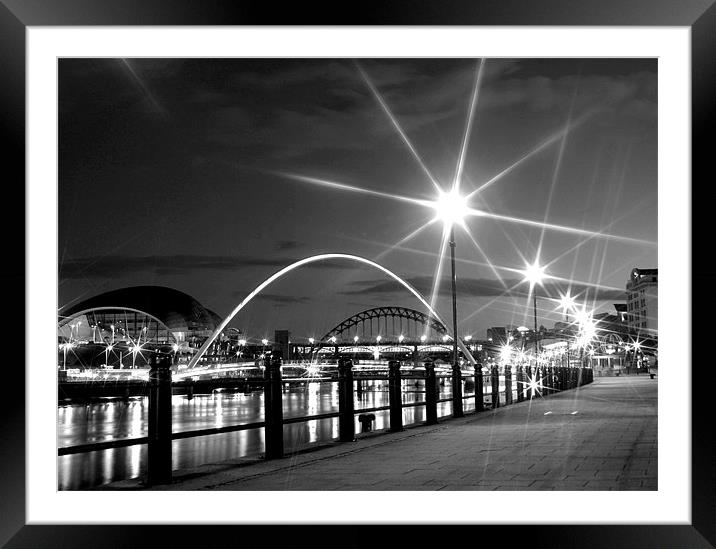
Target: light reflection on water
115,419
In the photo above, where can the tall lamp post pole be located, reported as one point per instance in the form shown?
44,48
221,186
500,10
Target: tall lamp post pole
456,374
534,274
534,303
454,298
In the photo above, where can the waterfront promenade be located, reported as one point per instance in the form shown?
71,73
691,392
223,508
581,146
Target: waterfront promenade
602,436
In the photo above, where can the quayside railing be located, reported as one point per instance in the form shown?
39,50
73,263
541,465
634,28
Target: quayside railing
528,381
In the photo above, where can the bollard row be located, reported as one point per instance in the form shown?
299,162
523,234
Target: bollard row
528,381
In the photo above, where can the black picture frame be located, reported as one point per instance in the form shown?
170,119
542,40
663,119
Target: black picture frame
699,15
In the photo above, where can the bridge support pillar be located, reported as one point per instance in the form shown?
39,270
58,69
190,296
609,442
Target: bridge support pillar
431,394
273,409
346,421
457,391
159,448
395,392
479,389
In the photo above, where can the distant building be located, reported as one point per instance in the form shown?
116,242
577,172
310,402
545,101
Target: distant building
642,301
282,340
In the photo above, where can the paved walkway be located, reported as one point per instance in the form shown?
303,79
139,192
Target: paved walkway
602,436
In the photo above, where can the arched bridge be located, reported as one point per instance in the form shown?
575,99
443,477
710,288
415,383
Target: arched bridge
387,321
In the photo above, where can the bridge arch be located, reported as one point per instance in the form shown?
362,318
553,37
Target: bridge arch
402,313
313,259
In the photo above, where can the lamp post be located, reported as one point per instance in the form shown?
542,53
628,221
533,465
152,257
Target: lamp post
451,208
566,303
455,363
534,274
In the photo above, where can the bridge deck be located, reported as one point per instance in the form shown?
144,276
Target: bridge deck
602,436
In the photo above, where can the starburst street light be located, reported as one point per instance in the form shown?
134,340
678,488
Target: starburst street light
534,274
566,303
451,208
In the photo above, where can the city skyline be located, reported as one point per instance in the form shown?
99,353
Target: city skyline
209,175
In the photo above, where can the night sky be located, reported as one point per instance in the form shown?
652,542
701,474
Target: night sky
187,173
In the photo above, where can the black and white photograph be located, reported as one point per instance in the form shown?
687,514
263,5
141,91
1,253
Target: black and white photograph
364,274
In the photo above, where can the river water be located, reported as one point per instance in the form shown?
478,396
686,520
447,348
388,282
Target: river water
116,419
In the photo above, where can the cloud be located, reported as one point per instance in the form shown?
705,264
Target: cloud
288,244
112,267
278,299
484,287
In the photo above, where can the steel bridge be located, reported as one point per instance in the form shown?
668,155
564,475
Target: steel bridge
389,323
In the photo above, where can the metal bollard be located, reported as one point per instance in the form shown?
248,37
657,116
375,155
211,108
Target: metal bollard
366,422
456,391
159,448
395,393
520,384
431,394
495,384
479,389
346,422
508,385
273,409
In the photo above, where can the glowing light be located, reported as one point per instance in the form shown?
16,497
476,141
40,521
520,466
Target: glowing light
423,338
532,386
311,340
534,274
506,353
468,337
401,337
333,339
451,208
175,347
264,342
355,339
378,338
566,302
242,342
446,337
